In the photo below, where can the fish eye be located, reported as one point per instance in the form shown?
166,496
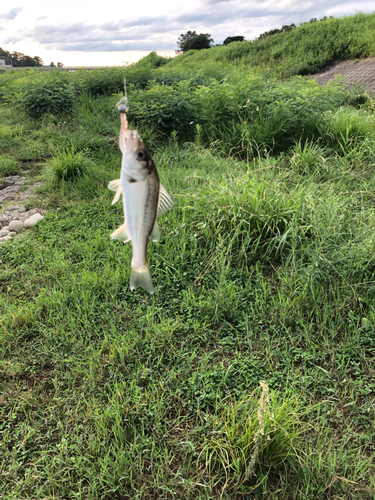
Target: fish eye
140,155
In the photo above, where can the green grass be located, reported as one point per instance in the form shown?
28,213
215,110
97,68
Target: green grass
250,371
302,51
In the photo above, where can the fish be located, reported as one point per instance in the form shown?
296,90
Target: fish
144,200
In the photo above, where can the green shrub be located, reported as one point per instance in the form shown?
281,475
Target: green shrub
68,165
247,214
100,82
168,108
8,167
308,157
38,94
153,60
346,128
259,429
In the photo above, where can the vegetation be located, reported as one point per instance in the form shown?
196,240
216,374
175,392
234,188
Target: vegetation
231,39
299,51
18,59
249,373
191,40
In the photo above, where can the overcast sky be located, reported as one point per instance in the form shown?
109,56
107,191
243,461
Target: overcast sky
114,32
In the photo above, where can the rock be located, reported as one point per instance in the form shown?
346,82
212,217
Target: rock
5,238
4,233
12,233
5,228
17,208
31,221
15,225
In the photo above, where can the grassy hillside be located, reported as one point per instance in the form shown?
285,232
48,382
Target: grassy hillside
302,51
250,371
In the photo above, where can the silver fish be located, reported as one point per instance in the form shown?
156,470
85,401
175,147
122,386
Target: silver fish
144,199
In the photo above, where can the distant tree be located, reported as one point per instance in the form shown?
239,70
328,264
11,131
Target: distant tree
17,58
289,27
201,41
4,54
231,39
60,65
192,41
52,64
285,27
38,61
183,39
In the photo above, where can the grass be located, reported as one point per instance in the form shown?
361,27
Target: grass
249,373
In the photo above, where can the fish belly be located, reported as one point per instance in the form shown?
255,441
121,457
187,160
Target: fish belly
140,211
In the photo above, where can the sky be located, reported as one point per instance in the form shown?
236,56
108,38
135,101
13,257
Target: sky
114,33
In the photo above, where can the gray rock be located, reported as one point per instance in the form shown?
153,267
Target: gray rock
15,225
17,208
31,221
4,233
5,228
5,238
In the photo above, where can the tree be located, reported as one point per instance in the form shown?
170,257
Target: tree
231,39
184,38
38,61
52,64
60,65
4,54
18,59
192,41
201,41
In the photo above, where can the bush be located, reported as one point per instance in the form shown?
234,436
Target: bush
346,128
68,165
38,94
153,60
100,82
168,108
8,167
259,429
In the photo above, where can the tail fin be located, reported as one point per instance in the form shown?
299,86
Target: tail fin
141,277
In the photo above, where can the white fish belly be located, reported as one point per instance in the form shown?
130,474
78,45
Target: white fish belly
139,217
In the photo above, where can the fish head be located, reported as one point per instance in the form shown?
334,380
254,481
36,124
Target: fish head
136,161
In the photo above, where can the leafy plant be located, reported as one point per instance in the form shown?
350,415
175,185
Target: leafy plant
37,95
67,165
261,428
8,166
308,157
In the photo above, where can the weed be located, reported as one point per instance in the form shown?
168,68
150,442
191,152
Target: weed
8,167
67,165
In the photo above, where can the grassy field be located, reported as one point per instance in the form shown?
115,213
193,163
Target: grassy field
250,372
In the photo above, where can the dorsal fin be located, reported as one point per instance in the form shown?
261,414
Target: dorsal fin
165,201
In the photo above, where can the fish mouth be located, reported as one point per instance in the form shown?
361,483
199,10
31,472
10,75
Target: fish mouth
131,136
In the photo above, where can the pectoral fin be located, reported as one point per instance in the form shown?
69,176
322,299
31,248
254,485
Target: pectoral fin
116,186
121,234
117,195
113,185
154,236
165,201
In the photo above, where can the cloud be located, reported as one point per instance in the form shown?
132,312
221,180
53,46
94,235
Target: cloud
113,47
220,18
11,14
